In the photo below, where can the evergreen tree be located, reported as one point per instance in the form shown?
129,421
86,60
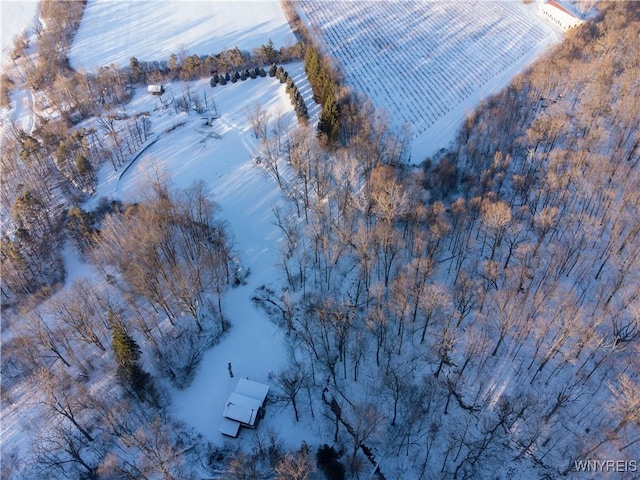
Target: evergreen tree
272,70
173,63
269,52
127,354
320,75
329,123
327,461
125,348
301,111
80,227
312,64
134,69
83,165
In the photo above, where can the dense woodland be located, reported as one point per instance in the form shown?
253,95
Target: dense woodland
497,286
478,313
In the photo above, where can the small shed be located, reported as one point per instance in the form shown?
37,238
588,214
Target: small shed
244,407
155,89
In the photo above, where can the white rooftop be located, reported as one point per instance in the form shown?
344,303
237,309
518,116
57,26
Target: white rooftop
242,409
229,427
243,406
252,389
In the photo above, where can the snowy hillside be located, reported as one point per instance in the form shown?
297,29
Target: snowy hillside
429,63
15,18
154,30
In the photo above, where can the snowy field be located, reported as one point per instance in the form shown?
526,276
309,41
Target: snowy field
112,31
16,16
429,63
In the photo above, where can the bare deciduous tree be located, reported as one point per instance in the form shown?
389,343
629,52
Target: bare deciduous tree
290,382
65,397
259,120
298,465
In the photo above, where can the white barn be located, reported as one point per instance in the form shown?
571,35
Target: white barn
244,407
560,16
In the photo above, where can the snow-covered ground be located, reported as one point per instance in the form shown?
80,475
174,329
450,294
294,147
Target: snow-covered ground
429,63
222,155
112,31
21,111
16,16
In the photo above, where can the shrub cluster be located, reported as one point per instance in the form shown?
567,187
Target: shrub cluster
236,75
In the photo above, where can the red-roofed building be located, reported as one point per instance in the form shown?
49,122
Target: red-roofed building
559,15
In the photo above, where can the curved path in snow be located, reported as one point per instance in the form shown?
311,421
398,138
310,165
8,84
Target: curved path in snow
246,195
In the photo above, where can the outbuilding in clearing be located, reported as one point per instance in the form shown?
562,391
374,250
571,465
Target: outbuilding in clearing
155,89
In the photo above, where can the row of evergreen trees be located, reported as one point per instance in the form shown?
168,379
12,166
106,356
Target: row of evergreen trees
294,94
237,75
323,79
278,72
188,67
